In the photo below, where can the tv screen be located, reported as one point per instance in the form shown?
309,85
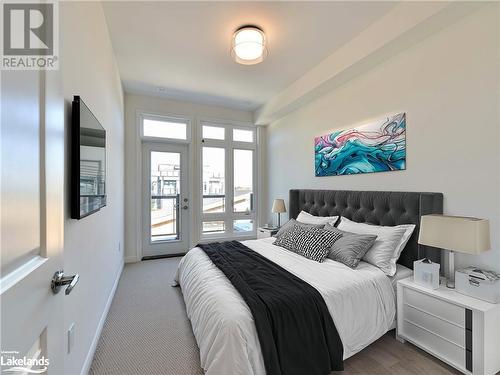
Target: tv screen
88,161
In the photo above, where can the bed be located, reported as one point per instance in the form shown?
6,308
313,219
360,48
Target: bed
360,301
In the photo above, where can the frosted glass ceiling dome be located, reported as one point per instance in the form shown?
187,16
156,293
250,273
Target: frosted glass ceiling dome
249,45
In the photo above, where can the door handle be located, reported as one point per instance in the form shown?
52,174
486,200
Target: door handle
185,207
59,280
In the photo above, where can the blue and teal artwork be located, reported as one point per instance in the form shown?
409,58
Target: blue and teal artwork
379,146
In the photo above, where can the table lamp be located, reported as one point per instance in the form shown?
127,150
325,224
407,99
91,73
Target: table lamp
467,235
279,208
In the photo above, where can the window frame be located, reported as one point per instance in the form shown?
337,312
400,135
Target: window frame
254,134
212,125
165,118
228,216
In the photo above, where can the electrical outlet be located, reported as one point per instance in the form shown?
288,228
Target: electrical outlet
71,337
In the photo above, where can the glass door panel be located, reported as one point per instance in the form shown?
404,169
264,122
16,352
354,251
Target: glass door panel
165,190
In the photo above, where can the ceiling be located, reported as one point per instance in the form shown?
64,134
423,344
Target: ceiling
180,50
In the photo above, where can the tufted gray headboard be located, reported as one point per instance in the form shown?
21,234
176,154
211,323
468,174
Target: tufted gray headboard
374,207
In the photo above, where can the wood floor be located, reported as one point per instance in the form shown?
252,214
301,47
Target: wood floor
387,356
147,332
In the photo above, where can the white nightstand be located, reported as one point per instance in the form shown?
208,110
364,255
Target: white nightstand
459,330
266,232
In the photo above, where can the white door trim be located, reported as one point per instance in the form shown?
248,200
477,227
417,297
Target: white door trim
168,247
138,196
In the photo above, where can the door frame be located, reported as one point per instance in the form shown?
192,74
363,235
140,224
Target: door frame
133,175
184,215
136,199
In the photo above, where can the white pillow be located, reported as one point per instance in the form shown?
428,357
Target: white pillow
307,218
388,246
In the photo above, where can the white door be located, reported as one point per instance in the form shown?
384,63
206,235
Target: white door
32,176
165,200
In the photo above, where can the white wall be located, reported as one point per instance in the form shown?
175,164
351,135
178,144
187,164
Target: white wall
448,85
92,245
135,104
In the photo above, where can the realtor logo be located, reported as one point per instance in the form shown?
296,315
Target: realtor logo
29,35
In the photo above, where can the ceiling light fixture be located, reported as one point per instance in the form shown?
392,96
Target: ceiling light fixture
249,45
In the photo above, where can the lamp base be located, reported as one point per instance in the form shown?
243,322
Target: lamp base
450,279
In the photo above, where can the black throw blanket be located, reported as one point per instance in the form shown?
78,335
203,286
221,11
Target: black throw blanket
296,332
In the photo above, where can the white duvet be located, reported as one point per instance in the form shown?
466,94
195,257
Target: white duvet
361,303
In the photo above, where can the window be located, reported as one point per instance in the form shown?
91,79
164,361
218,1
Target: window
214,185
243,180
163,127
213,132
242,226
240,135
213,227
227,181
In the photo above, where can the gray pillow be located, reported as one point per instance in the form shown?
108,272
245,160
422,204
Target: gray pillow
351,247
290,223
312,243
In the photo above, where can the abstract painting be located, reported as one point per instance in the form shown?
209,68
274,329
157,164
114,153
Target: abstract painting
379,146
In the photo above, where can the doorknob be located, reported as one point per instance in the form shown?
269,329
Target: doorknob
185,207
59,280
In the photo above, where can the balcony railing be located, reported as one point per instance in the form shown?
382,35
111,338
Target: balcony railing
165,224
237,199
165,218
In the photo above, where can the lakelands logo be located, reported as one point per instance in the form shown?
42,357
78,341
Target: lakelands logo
11,363
29,40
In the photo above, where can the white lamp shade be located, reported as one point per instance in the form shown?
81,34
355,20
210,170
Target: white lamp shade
279,206
463,234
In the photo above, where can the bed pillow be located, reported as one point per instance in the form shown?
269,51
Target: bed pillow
312,243
307,218
409,228
387,247
351,247
290,223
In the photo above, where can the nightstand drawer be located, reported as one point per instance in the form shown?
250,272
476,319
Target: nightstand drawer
443,328
444,310
435,344
457,329
265,233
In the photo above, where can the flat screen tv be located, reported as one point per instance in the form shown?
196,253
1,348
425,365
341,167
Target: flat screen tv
88,161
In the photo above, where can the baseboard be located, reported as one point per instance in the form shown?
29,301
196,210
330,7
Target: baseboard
95,340
130,259
153,257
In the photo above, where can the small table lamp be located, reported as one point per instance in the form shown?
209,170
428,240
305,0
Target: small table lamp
279,207
467,235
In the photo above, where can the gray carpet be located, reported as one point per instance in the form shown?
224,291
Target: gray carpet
147,332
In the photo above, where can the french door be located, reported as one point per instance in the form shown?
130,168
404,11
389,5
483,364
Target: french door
166,203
